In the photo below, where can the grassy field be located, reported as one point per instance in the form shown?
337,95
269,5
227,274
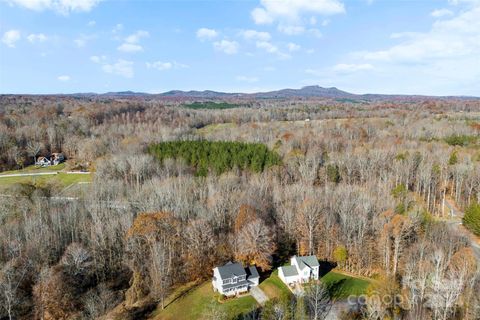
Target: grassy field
341,286
274,287
36,169
195,302
62,179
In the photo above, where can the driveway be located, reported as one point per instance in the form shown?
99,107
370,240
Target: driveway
259,295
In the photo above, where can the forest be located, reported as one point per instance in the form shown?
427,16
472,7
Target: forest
376,189
219,156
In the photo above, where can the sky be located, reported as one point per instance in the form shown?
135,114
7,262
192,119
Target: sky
429,47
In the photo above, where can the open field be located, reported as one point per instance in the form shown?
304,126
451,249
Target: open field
62,178
198,300
36,169
341,286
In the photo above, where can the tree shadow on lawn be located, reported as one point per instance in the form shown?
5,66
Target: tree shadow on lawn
183,293
336,289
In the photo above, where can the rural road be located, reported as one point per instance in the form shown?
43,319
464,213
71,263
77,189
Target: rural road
457,226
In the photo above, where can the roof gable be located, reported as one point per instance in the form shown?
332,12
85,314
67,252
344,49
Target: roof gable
307,261
289,271
231,270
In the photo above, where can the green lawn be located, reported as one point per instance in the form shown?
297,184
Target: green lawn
63,179
196,301
274,287
34,169
341,286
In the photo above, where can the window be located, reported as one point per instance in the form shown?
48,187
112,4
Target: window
227,281
234,279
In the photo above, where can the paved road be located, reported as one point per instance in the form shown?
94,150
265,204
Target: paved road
259,295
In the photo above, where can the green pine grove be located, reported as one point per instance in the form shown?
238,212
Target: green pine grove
472,218
217,156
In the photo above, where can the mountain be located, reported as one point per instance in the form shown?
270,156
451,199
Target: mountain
305,92
309,91
198,94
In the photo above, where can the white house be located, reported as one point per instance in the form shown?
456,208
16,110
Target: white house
42,162
233,278
300,270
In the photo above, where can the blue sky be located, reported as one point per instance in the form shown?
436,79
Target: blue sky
362,46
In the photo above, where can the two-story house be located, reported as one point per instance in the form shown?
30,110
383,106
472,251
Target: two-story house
300,270
233,278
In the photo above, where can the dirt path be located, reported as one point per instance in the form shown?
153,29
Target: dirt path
455,224
259,295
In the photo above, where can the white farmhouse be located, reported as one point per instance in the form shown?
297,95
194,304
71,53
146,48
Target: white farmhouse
300,270
233,278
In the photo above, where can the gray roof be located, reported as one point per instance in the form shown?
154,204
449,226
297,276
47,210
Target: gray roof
252,272
230,270
309,261
289,271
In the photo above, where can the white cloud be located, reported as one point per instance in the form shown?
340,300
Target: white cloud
131,43
293,47
206,34
122,68
83,39
261,16
292,10
162,66
247,79
39,37
444,60
454,38
91,23
256,35
347,68
135,37
60,6
130,47
98,59
439,13
270,48
291,29
289,13
267,46
63,78
10,37
226,46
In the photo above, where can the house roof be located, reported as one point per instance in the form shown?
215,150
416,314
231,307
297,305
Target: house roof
289,271
252,272
307,261
230,270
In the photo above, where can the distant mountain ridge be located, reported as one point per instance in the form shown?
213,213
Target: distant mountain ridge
313,91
